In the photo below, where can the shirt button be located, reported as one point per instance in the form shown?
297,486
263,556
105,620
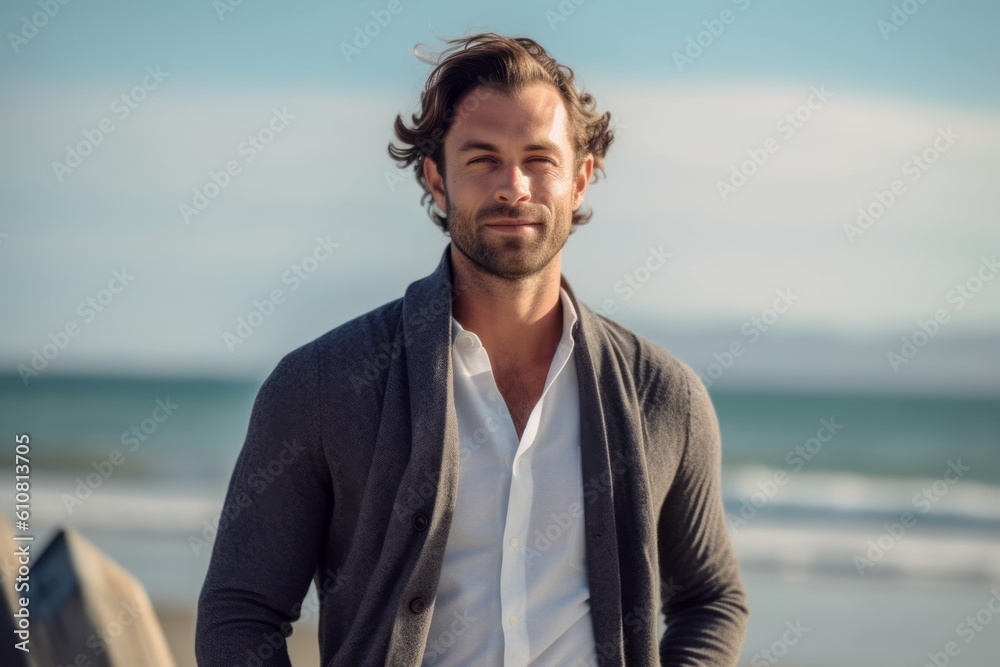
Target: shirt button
514,543
417,605
420,521
512,620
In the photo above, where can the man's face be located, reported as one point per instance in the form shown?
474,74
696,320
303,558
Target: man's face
510,189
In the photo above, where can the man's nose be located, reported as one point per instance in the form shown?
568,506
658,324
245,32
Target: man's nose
513,186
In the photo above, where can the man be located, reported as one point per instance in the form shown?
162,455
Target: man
485,471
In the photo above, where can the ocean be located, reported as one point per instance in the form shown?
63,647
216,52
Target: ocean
74,420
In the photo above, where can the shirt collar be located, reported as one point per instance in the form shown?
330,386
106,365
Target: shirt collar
569,321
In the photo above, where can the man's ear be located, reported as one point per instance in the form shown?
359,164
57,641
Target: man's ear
435,181
582,180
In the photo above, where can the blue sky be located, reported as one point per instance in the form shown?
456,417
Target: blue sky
943,51
681,130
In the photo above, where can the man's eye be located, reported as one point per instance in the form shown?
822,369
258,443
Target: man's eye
531,159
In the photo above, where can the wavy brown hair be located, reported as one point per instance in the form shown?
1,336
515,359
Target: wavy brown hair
504,65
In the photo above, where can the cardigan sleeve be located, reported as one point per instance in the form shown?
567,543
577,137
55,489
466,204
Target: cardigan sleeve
272,525
704,599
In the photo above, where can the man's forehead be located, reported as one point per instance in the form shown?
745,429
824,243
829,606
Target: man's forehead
481,94
536,116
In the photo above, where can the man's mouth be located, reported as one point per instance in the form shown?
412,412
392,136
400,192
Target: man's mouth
512,226
510,222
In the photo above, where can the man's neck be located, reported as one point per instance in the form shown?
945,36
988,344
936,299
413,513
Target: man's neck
521,321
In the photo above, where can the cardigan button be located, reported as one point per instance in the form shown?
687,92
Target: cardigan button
420,521
417,605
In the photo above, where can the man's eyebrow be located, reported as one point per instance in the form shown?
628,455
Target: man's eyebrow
473,145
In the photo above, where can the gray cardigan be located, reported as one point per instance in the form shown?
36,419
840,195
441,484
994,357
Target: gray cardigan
348,477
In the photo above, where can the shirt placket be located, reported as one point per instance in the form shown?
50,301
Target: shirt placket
514,584
513,566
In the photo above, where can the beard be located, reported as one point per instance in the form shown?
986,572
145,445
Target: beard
510,256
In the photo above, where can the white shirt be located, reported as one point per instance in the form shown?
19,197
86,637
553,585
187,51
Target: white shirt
513,588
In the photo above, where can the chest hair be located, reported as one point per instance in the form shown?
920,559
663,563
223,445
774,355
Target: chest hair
521,386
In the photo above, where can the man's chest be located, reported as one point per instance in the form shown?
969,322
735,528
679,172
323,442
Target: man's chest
521,389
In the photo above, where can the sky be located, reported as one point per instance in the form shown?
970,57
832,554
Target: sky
748,136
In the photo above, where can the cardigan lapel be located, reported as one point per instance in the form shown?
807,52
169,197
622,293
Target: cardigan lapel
600,526
432,470
619,518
